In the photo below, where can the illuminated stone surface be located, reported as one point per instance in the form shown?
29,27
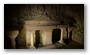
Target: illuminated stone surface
46,30
61,37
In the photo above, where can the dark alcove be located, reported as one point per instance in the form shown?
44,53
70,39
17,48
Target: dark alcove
37,33
7,42
16,40
70,35
56,35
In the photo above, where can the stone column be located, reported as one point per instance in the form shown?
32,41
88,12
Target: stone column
61,37
13,43
65,33
12,35
43,37
48,36
32,40
28,38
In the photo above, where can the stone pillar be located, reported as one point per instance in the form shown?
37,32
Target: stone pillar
48,36
61,37
13,44
32,40
28,38
12,35
43,37
65,33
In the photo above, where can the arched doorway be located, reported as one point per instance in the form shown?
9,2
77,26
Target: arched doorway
56,35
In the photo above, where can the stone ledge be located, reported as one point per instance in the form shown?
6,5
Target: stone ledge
45,27
33,22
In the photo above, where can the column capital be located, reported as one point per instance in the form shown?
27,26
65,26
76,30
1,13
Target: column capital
12,36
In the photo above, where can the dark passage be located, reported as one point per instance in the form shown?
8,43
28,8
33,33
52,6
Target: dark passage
37,33
56,35
70,35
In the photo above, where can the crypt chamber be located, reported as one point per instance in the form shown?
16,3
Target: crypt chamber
43,26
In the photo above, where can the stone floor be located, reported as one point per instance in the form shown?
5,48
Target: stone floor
71,45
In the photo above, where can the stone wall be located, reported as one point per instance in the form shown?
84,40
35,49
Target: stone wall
72,15
41,12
